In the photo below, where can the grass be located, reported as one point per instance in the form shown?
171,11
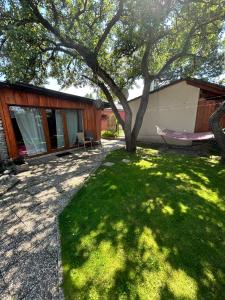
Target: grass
150,229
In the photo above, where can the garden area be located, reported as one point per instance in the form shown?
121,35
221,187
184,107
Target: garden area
148,227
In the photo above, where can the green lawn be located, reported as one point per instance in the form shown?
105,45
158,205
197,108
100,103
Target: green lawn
150,229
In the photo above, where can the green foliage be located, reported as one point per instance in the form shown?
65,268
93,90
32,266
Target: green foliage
109,134
150,229
111,44
89,95
183,40
30,52
27,45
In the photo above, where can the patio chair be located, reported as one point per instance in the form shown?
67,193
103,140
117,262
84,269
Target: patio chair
90,137
82,141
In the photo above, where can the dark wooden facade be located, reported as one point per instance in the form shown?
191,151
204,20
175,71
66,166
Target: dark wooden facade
210,97
10,96
205,109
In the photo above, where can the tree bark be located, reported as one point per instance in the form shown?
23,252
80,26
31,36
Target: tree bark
214,123
127,124
142,108
145,95
131,141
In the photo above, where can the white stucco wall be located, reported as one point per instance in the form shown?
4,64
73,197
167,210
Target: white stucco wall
173,107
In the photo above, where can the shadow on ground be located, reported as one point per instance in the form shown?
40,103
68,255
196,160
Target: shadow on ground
29,245
150,229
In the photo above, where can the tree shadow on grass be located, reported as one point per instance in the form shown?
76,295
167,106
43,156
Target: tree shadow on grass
152,229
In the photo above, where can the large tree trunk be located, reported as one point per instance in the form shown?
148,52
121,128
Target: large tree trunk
214,122
142,108
129,136
131,141
127,124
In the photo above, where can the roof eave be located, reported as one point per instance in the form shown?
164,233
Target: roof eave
46,92
213,87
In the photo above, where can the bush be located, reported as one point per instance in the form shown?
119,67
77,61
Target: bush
109,134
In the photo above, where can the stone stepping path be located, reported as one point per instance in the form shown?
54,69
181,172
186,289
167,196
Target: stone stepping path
108,164
126,161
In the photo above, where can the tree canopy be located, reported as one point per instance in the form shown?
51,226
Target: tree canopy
38,39
111,44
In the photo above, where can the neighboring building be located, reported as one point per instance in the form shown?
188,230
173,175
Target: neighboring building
35,120
184,105
108,119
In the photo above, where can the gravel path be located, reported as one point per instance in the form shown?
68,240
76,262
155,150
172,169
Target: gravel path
30,265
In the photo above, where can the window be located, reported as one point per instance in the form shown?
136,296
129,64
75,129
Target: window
55,127
72,126
80,121
38,130
28,129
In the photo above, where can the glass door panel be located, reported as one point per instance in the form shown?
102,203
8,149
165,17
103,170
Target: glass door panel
80,121
72,126
59,129
28,129
55,127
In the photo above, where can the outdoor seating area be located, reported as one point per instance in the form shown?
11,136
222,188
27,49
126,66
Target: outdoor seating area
87,140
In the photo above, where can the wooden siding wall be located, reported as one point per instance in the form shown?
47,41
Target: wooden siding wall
91,116
205,110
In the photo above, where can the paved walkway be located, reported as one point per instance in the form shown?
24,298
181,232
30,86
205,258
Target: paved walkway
29,239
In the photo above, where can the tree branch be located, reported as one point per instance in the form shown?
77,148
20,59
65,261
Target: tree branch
145,94
55,12
83,51
109,26
2,42
109,98
196,26
78,14
86,54
59,48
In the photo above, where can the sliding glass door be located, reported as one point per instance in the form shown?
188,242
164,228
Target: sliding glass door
59,129
72,126
30,134
41,130
55,128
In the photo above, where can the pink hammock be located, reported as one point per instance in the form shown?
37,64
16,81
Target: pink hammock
184,136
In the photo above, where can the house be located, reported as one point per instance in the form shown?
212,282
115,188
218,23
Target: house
36,120
184,105
108,119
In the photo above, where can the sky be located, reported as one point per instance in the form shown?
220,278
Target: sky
134,92
52,84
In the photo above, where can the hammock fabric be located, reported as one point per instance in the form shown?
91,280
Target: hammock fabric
185,136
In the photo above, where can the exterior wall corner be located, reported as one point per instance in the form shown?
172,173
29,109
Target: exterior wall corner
174,108
3,146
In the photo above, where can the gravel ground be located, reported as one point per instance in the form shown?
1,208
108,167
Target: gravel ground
30,264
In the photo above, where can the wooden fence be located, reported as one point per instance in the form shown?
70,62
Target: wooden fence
205,110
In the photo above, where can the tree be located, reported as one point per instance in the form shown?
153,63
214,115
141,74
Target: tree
90,95
109,44
214,122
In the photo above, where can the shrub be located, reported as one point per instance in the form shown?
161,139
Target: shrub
109,134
